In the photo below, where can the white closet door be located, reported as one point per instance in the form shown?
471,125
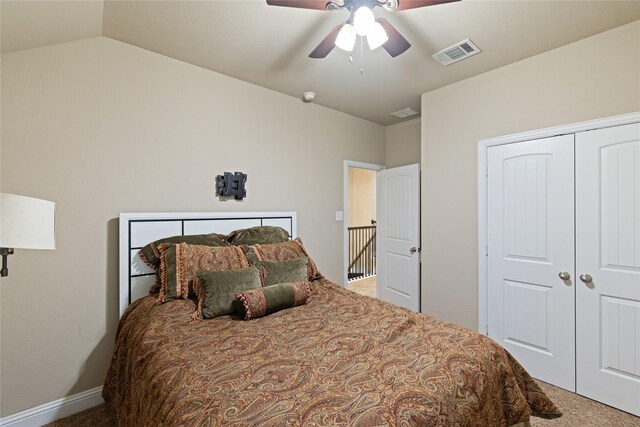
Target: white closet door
608,250
531,241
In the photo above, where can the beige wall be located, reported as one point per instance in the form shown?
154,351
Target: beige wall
592,78
402,143
101,127
362,197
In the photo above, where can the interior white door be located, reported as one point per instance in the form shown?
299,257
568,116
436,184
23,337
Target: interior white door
608,251
530,245
398,236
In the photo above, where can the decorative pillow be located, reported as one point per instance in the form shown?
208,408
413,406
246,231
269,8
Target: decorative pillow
283,252
260,302
180,263
168,269
272,272
219,289
258,235
150,254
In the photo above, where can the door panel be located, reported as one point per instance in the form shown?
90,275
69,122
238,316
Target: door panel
526,231
398,213
531,240
608,249
527,310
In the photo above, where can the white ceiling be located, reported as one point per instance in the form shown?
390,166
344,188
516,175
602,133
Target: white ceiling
269,46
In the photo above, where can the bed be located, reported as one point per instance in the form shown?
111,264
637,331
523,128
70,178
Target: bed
340,359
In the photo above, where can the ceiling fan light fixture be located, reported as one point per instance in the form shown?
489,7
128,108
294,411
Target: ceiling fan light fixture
346,39
363,20
377,36
391,5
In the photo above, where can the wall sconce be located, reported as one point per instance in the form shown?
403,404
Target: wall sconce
25,223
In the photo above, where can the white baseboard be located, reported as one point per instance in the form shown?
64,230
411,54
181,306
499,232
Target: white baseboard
55,410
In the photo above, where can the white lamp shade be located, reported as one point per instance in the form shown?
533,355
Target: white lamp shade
363,20
346,38
26,223
377,36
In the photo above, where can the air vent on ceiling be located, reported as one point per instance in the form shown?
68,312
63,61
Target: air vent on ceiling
457,52
403,114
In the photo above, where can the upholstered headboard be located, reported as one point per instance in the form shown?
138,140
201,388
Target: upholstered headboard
139,229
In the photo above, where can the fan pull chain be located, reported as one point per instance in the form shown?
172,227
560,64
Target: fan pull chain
361,56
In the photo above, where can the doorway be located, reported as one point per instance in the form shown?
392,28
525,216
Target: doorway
359,225
391,245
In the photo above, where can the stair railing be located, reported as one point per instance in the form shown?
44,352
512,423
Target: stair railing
362,251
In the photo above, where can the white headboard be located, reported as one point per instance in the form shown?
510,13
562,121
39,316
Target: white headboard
139,229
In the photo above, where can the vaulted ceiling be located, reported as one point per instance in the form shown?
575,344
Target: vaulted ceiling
269,46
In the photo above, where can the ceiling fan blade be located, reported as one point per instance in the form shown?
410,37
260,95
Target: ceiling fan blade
326,45
303,4
396,43
413,4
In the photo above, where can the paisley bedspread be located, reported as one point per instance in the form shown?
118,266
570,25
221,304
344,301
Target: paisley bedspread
341,359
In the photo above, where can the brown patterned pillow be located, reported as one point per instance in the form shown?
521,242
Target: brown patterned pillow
269,299
151,253
283,252
179,265
165,276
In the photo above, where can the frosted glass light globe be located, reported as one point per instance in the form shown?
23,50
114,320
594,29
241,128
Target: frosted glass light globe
377,36
363,20
346,38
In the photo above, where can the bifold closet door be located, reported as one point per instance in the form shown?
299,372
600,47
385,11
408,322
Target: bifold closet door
608,260
530,214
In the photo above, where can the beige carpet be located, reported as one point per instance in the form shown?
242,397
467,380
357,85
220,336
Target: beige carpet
577,411
366,286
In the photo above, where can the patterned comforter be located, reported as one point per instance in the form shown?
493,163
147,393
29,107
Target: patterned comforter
342,359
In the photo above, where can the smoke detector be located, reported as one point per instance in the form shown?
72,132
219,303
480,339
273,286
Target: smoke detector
403,114
308,96
457,52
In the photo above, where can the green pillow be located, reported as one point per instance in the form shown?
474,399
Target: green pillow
262,235
260,302
220,289
294,270
250,254
150,254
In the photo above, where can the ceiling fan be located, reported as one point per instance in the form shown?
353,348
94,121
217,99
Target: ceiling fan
361,22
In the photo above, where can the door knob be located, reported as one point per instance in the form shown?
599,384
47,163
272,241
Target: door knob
413,250
586,278
564,275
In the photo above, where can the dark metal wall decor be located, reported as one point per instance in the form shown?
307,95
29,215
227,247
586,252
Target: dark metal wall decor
231,185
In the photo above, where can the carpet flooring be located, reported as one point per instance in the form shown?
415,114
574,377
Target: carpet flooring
577,411
366,286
